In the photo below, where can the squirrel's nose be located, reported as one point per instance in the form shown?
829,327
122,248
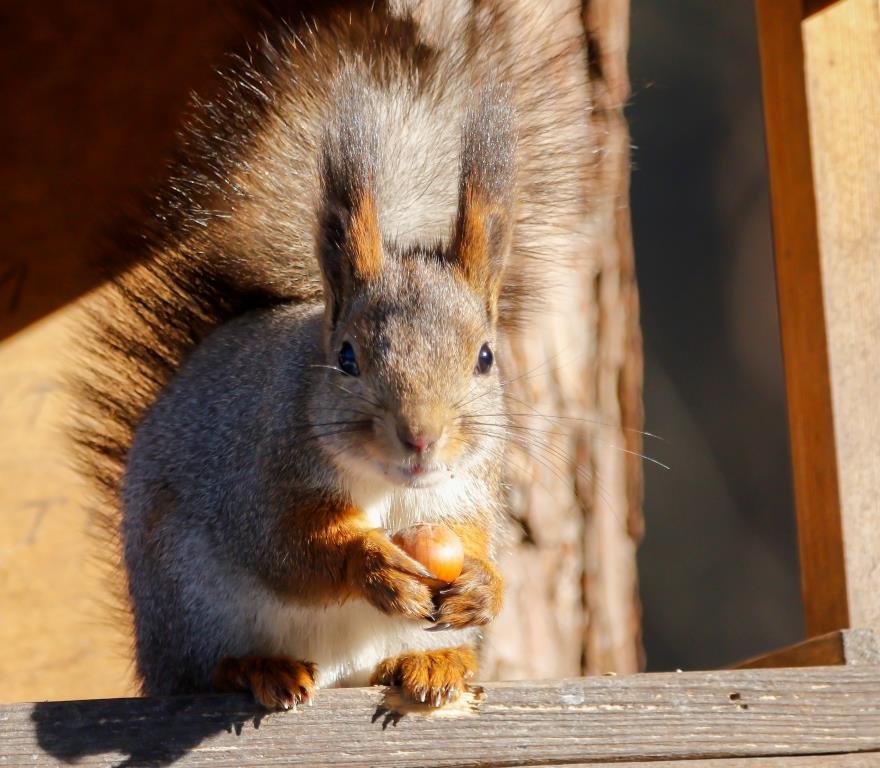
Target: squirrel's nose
418,441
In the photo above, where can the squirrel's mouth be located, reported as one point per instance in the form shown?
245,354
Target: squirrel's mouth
417,474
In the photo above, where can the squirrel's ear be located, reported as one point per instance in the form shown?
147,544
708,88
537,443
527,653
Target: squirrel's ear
350,251
349,242
480,243
484,222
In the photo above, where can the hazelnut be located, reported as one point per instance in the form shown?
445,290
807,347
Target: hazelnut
437,548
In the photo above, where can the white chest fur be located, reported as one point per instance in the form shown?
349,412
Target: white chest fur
348,640
392,508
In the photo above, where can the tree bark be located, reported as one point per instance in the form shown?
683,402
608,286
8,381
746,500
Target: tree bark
576,491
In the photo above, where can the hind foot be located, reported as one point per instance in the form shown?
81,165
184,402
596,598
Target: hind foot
430,677
276,683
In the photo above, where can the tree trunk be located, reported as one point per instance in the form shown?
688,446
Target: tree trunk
572,603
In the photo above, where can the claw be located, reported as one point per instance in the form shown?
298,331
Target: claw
438,698
422,573
439,627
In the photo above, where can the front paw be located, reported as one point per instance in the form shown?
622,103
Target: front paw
389,579
473,599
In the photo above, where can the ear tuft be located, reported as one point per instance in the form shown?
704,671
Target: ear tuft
484,221
350,240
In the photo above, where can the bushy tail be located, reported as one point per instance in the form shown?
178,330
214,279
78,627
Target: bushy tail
169,282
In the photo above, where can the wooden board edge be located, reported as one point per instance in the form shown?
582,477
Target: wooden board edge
848,646
672,716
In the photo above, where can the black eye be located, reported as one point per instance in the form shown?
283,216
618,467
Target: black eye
485,359
347,360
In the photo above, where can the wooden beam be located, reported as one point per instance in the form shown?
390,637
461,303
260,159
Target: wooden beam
813,6
802,318
846,646
92,96
842,65
821,80
578,721
852,760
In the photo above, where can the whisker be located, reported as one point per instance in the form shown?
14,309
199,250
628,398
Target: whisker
504,456
356,395
544,454
346,422
502,386
524,428
548,464
536,412
316,435
541,459
593,422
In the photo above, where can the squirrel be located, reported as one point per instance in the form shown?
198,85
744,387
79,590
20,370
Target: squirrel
301,357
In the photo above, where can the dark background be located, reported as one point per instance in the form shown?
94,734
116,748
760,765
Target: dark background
718,565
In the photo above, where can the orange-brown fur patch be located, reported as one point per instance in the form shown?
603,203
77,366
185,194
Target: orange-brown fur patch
317,536
388,578
365,239
471,243
432,677
476,596
334,555
276,683
475,538
472,246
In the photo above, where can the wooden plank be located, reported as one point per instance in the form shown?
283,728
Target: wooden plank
847,646
821,78
92,94
842,65
58,638
852,760
655,716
